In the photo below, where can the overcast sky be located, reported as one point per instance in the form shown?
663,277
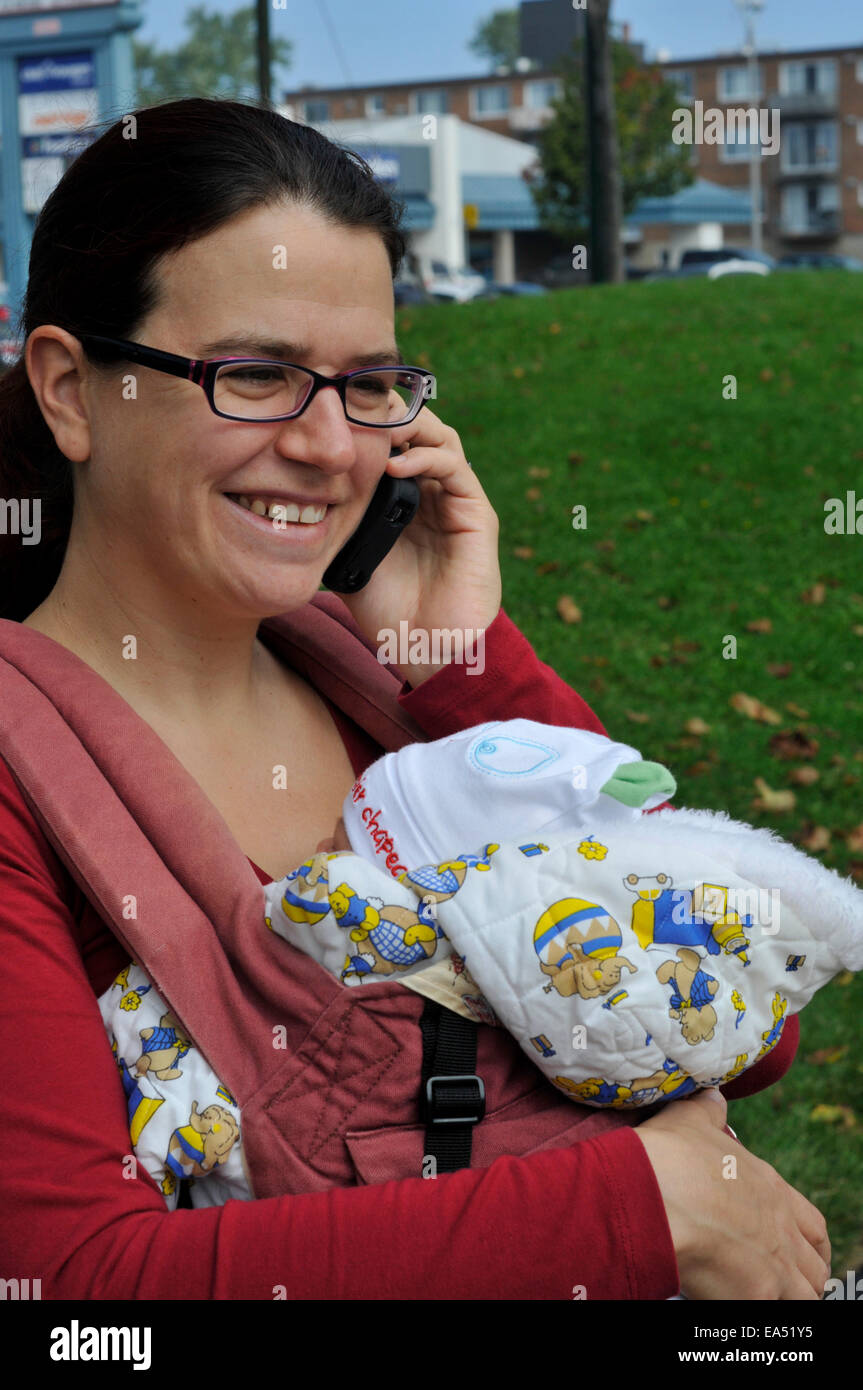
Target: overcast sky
369,41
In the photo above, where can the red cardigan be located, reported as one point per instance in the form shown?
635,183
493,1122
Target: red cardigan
73,1218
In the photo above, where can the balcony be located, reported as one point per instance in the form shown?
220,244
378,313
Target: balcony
528,117
792,106
810,225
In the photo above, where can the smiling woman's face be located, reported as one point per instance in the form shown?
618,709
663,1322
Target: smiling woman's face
157,488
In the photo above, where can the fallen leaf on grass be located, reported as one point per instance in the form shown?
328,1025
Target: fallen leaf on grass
539,472
804,776
815,839
575,459
854,838
548,567
698,769
665,602
816,594
754,709
780,669
834,1114
796,710
696,726
568,609
534,494
759,625
637,718
770,800
826,1056
606,545
523,552
792,744
844,979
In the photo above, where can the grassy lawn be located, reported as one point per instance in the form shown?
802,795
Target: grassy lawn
704,515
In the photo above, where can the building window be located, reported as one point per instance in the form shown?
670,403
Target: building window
809,145
810,208
734,84
316,111
375,105
433,101
801,79
539,94
684,83
490,100
741,141
860,69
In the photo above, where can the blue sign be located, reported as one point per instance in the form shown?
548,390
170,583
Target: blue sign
67,73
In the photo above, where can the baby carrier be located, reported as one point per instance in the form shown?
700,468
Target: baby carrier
336,1086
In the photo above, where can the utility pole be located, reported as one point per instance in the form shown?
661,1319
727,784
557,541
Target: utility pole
606,189
263,49
749,9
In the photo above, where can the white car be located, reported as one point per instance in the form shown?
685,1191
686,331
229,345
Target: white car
455,285
737,268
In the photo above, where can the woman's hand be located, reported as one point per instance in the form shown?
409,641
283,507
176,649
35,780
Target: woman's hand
751,1236
443,572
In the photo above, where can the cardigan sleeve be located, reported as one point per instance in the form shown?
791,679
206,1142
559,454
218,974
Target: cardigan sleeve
76,1216
511,683
516,684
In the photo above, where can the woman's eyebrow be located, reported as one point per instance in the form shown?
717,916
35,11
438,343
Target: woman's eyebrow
291,352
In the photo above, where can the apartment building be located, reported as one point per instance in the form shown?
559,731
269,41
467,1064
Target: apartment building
812,189
514,102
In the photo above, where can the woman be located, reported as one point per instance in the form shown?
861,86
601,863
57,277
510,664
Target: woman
210,230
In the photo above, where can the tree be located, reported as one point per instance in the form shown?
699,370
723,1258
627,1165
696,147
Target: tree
498,39
219,58
650,164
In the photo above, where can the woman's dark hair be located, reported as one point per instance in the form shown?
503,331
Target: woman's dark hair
144,188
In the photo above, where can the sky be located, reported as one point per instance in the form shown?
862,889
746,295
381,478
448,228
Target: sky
347,42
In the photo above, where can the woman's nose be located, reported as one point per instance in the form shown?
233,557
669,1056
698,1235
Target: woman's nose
321,435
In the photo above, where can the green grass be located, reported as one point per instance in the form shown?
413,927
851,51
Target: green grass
617,391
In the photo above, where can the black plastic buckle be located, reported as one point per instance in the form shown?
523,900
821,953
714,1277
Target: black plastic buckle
471,1110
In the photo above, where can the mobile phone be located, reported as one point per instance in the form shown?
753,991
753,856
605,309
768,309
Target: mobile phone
393,505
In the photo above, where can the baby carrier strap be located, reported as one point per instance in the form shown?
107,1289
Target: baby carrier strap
118,809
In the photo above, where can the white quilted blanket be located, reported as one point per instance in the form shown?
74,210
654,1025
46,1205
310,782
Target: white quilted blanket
633,964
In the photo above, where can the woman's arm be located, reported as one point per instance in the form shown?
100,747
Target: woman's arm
511,684
73,1217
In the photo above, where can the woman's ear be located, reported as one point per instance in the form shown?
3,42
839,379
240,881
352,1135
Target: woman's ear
55,366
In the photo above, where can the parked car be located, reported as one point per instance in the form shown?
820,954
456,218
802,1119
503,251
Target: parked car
700,255
558,274
723,260
515,287
455,285
735,267
818,260
408,288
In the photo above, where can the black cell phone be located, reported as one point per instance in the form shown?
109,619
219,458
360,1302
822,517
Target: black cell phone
393,505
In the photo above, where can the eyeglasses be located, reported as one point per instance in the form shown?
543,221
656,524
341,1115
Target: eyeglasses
252,388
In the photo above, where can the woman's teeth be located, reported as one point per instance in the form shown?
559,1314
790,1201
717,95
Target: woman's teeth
281,511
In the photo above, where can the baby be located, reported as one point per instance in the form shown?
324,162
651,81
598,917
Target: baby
634,957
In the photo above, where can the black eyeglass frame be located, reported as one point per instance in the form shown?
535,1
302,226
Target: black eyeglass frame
203,372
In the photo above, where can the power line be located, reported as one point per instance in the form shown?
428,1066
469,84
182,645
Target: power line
334,39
